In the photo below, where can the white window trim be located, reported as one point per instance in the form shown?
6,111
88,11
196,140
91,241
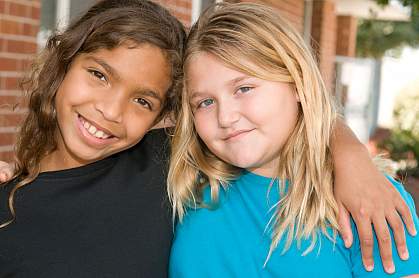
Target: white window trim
63,14
62,19
197,9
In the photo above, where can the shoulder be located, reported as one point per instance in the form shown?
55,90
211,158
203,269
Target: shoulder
156,137
151,151
5,190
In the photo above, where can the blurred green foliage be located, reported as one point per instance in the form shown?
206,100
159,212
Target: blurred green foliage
376,37
403,144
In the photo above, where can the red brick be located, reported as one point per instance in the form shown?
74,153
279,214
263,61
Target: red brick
25,64
36,13
293,11
3,45
7,139
183,17
6,156
20,10
11,120
10,27
30,29
324,35
2,6
14,46
11,101
9,64
10,83
184,4
346,36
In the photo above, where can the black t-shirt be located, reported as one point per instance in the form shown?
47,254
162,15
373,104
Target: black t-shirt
110,218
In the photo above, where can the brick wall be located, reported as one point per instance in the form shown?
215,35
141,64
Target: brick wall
19,23
323,31
180,8
292,10
346,35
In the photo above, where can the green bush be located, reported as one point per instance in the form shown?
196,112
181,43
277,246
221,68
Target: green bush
403,144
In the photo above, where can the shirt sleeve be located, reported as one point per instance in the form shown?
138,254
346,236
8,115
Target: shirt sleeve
403,268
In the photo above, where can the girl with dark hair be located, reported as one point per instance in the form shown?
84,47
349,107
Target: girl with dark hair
96,90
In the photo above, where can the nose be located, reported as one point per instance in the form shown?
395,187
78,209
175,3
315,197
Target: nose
111,107
228,114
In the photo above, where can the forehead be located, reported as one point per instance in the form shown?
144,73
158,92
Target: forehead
206,69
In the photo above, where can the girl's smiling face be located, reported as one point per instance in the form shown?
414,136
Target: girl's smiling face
243,120
107,102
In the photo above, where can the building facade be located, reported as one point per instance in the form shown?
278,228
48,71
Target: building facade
25,25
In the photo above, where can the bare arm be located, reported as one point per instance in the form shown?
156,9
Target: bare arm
365,193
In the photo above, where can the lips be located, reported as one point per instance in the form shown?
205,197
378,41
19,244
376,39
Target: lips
94,130
93,134
237,134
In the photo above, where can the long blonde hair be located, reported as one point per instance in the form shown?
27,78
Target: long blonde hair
258,34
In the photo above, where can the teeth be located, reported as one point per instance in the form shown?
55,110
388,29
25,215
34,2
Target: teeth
99,134
94,131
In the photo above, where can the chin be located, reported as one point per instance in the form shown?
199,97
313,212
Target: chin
241,163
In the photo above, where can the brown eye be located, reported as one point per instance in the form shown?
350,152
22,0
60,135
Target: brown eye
97,74
143,102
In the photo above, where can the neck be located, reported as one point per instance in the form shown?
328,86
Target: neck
57,161
268,170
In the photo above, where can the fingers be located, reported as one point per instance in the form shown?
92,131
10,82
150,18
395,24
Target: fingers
406,215
345,228
366,240
5,172
396,225
384,243
3,177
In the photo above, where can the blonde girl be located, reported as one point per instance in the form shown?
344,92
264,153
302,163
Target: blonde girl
251,174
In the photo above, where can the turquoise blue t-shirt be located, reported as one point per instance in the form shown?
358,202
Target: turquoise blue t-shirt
232,241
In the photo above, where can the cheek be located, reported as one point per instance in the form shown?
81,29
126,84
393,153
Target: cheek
74,93
204,125
286,121
137,124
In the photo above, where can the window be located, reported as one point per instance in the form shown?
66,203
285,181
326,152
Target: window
56,14
198,6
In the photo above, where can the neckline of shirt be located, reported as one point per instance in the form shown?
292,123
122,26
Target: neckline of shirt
81,170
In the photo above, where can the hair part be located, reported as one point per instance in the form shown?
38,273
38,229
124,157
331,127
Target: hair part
256,40
106,25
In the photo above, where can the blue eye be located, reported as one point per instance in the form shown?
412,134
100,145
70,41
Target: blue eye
205,103
143,102
244,89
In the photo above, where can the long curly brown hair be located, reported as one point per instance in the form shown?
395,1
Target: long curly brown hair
106,25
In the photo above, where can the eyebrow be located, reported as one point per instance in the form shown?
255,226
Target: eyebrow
150,93
142,91
231,82
238,79
106,66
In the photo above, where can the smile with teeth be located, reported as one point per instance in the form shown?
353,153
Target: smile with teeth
94,131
